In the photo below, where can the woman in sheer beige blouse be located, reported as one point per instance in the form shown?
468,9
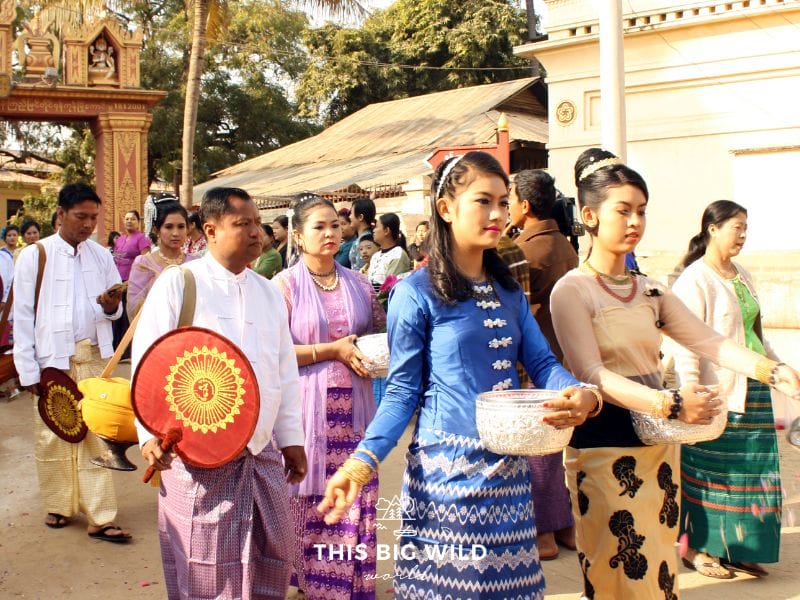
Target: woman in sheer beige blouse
625,495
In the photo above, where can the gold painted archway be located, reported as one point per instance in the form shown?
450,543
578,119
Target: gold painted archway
98,82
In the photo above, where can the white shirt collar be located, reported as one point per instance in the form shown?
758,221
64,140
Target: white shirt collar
220,272
63,245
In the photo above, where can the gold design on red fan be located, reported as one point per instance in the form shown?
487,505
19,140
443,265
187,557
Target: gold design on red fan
205,389
61,408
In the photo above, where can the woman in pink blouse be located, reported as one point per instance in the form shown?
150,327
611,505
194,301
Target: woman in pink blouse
127,247
329,306
130,244
171,226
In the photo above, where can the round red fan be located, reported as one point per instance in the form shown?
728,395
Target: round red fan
199,382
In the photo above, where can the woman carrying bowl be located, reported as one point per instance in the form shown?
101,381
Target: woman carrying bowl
457,329
723,479
329,305
609,323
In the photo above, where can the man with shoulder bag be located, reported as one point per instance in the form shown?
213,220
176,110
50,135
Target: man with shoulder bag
67,292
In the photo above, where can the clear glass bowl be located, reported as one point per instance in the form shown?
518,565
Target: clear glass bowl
510,422
376,348
657,430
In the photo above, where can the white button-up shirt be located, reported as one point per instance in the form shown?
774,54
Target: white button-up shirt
68,311
248,310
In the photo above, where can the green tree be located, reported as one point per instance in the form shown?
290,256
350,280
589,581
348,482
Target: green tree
251,42
76,157
209,15
350,68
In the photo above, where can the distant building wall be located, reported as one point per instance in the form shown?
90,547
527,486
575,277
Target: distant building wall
711,96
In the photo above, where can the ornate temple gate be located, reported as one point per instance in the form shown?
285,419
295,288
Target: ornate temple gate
98,82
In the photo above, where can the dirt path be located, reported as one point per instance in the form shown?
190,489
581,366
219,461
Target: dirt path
37,562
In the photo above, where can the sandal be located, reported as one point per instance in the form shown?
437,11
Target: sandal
753,569
704,566
104,535
56,521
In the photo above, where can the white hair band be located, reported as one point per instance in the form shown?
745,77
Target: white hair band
445,173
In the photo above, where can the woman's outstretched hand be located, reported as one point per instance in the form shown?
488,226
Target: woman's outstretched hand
787,381
340,493
574,403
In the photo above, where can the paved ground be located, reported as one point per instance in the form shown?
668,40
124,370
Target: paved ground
37,562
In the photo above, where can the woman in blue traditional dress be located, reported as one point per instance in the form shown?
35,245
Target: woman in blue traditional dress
457,328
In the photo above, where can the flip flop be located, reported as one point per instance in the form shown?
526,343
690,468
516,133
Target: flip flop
102,534
59,521
749,568
703,567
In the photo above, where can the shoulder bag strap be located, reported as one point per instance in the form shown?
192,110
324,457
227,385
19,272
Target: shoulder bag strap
10,300
186,317
6,308
39,277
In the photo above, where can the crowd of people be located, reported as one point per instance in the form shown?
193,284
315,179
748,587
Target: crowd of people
468,309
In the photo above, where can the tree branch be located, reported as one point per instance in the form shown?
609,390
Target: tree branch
23,156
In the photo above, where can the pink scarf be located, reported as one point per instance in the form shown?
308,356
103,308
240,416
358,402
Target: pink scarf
309,325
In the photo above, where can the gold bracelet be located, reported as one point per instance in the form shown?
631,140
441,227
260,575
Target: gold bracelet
357,471
313,353
597,394
660,406
667,400
370,455
764,370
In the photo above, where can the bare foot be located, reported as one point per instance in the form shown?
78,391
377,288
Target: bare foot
566,537
548,550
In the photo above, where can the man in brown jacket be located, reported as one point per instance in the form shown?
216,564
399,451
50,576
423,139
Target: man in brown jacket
533,196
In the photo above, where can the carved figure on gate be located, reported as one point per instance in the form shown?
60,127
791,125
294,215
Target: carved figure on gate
101,57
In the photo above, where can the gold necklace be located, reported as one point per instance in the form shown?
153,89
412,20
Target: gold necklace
619,280
322,286
171,261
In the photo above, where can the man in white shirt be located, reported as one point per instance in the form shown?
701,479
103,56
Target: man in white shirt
226,532
71,331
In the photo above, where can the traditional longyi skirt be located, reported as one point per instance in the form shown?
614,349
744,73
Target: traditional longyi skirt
337,561
625,504
224,532
468,525
732,486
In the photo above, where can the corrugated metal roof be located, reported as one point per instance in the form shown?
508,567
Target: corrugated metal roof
386,143
15,177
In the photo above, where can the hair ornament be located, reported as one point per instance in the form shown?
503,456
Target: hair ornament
445,173
596,166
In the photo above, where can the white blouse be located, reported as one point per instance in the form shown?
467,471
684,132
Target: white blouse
383,263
